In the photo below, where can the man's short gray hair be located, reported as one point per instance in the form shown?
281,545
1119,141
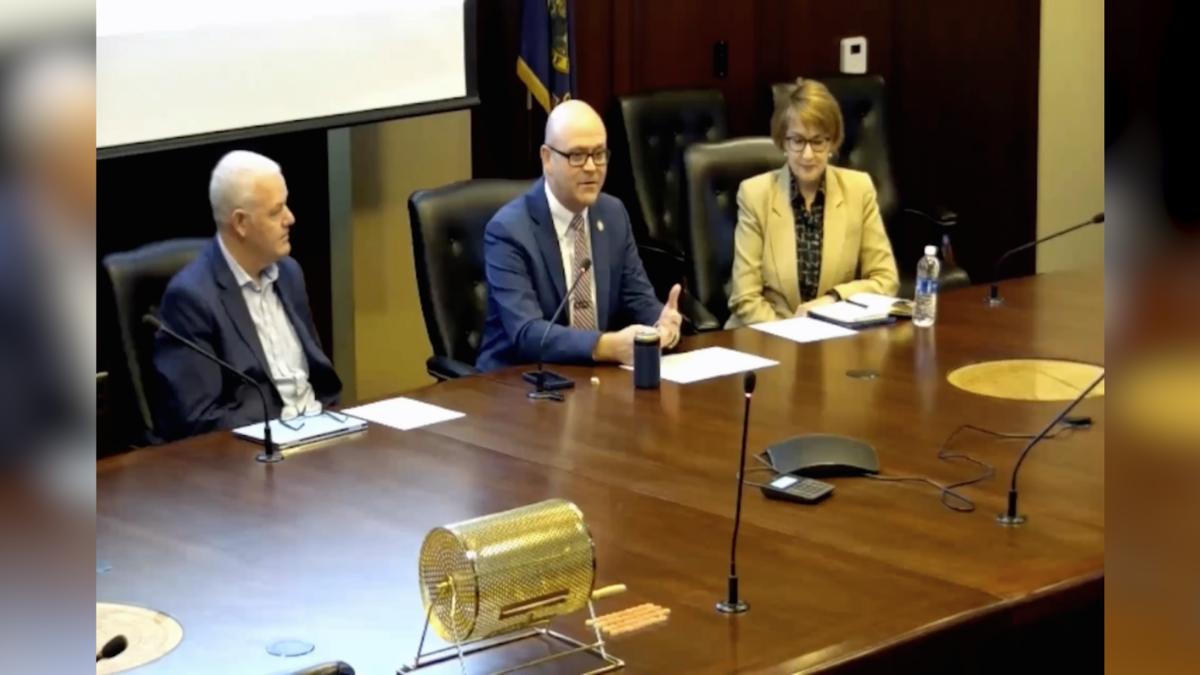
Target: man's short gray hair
232,184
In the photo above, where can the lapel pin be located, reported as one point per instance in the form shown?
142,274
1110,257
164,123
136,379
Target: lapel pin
600,225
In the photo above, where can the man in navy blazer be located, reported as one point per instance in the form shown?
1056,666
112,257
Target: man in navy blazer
536,246
243,298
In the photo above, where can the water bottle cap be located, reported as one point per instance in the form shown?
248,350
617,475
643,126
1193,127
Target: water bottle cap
930,250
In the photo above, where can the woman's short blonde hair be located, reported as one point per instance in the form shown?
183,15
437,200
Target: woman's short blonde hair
817,109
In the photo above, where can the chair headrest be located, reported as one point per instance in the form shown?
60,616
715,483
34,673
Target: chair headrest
139,278
744,157
650,136
448,225
153,261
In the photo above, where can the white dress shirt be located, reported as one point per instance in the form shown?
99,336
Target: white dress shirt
562,217
281,345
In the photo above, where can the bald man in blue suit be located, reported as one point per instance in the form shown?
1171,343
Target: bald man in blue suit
536,246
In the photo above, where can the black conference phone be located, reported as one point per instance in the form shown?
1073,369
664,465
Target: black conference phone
789,488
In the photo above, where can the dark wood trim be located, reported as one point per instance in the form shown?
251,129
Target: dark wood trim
625,62
594,51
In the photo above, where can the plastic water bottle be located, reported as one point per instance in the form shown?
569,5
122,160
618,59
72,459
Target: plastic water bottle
925,301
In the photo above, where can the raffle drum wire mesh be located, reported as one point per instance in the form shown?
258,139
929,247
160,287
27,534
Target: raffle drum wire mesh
507,571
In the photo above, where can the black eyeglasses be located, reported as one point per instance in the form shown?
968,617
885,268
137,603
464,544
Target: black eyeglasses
578,158
797,143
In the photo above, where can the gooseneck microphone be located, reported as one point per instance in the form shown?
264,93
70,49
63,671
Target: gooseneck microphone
733,604
270,453
538,377
994,298
1011,517
112,649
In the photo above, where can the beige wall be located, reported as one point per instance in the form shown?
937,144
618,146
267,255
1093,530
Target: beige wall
390,161
1071,132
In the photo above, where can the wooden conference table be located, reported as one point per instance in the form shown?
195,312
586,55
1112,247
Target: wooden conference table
879,578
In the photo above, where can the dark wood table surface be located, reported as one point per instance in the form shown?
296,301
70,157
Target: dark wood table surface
323,546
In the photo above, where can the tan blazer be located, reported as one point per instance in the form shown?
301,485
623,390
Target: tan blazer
765,281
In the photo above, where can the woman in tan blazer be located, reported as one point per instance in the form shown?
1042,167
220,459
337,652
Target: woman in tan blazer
808,234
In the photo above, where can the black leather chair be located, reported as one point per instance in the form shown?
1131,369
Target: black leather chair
138,280
648,134
863,102
714,173
447,225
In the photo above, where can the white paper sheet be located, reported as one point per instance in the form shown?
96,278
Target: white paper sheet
803,329
707,363
404,414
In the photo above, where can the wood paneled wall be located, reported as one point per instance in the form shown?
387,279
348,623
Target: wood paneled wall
962,77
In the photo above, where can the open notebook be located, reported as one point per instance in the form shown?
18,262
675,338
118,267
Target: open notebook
302,430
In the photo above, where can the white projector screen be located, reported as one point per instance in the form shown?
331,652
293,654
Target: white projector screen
177,72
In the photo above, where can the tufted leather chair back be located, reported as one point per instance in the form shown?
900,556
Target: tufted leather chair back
139,278
651,133
447,225
714,173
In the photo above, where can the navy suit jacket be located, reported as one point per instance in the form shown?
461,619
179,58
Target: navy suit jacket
204,303
526,282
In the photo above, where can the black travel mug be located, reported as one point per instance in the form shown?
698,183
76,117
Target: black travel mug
647,360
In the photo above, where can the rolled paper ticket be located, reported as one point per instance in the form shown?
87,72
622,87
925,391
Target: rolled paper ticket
637,614
605,619
642,623
618,617
633,618
638,620
608,591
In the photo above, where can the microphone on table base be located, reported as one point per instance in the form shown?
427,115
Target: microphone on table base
112,649
539,376
733,604
994,298
270,453
1011,517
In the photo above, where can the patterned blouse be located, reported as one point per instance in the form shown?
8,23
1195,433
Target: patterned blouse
810,230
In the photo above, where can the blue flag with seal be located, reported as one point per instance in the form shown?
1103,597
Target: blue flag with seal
547,56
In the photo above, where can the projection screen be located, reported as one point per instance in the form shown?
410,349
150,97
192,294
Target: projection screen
181,72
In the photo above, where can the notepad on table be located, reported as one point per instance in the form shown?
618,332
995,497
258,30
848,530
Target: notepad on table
304,429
